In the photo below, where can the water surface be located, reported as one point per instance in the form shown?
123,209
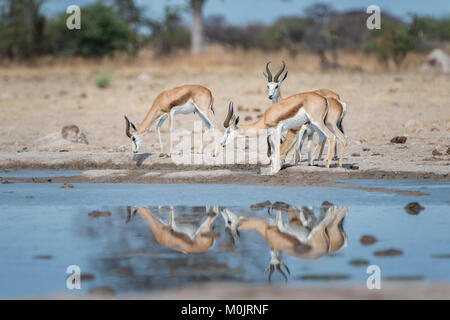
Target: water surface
44,229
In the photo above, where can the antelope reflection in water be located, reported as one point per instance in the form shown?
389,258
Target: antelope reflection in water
303,236
185,237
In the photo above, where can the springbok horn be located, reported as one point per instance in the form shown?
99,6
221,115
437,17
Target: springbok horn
269,74
127,130
280,72
226,122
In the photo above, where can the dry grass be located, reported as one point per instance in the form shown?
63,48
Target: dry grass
40,100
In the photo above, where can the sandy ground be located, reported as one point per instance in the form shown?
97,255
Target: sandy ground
37,102
234,291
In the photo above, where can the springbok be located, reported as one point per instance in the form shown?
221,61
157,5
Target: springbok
185,237
304,236
289,113
180,100
296,136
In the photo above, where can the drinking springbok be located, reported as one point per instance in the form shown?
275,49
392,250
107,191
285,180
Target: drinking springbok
180,100
185,237
304,236
289,113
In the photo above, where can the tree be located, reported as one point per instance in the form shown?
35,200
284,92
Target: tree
133,15
168,34
22,28
102,33
393,41
197,38
321,36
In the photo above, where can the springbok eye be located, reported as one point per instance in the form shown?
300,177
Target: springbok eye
133,138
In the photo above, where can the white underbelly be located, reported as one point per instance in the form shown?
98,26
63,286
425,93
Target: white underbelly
186,108
299,119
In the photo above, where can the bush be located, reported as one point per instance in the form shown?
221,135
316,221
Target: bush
102,33
169,34
102,80
392,41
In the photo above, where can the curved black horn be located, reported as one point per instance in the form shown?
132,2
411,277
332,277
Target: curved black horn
127,129
269,74
226,122
280,72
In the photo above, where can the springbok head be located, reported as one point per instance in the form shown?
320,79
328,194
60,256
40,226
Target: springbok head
274,83
231,224
230,123
133,134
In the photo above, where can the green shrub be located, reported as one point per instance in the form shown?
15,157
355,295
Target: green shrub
102,80
102,33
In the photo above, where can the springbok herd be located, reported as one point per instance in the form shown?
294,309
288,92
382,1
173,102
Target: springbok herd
300,234
298,116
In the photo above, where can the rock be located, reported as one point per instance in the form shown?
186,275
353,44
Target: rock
73,134
358,262
410,123
399,139
437,60
413,208
354,167
87,277
259,206
124,271
448,150
248,118
102,291
436,153
327,204
67,186
96,214
279,205
43,257
144,77
388,253
355,154
366,149
367,240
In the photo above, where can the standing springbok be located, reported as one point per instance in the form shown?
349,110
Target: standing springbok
186,237
304,236
289,113
184,99
296,136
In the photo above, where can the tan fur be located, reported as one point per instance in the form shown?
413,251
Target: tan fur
327,236
177,241
178,96
314,105
331,120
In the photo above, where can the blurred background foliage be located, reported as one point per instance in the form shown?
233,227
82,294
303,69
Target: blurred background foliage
121,25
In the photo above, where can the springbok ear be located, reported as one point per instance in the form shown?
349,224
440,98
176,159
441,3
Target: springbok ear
284,77
236,121
265,76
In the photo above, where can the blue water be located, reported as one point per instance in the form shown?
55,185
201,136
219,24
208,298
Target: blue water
55,222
